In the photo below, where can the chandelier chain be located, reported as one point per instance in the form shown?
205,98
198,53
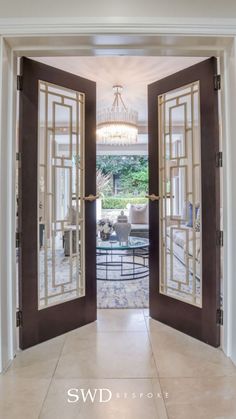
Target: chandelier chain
117,125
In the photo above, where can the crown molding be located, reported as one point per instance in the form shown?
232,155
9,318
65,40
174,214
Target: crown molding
112,25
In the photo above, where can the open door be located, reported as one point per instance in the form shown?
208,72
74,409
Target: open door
57,210
185,201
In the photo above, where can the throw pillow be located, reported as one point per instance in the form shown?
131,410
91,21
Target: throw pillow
71,215
184,215
198,220
190,214
138,214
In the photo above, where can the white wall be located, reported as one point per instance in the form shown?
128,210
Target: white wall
230,196
122,8
7,214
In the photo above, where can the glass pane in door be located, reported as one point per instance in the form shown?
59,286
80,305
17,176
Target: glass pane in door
180,194
61,266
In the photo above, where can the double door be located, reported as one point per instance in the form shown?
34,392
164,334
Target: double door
57,196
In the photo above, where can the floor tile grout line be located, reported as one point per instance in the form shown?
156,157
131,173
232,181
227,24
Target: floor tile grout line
146,323
162,391
153,356
140,378
107,378
156,366
108,331
113,331
53,374
195,377
153,386
148,332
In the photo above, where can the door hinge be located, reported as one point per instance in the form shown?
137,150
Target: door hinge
220,238
220,316
217,82
19,321
219,159
19,82
18,239
18,156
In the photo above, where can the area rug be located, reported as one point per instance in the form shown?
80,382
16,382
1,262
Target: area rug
123,294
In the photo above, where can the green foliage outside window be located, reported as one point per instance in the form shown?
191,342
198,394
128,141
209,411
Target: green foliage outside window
132,172
119,202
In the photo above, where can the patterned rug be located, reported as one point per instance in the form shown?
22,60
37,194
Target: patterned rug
123,294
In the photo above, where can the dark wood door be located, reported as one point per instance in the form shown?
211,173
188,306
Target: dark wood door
57,280
185,201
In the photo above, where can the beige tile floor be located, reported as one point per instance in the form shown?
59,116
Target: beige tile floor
149,370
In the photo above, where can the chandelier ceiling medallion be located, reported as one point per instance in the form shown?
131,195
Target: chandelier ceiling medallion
117,125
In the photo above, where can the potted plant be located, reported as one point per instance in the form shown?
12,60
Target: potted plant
105,227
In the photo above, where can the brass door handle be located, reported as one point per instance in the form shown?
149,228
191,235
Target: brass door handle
91,198
154,197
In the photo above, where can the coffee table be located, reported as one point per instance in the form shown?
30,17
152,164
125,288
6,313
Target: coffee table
122,261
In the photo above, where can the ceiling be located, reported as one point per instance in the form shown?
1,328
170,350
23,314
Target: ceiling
133,73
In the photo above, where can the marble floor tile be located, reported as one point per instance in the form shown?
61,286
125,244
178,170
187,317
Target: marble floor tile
132,398
116,320
127,353
39,361
179,355
107,355
22,398
200,398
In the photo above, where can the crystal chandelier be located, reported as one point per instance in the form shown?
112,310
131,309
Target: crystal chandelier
118,124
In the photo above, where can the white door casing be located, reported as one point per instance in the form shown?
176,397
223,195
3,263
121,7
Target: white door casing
35,46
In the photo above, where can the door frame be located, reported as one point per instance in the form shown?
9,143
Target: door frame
25,38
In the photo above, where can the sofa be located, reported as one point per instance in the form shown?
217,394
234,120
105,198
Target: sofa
178,237
182,238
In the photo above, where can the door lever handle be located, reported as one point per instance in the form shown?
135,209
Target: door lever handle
154,197
91,198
